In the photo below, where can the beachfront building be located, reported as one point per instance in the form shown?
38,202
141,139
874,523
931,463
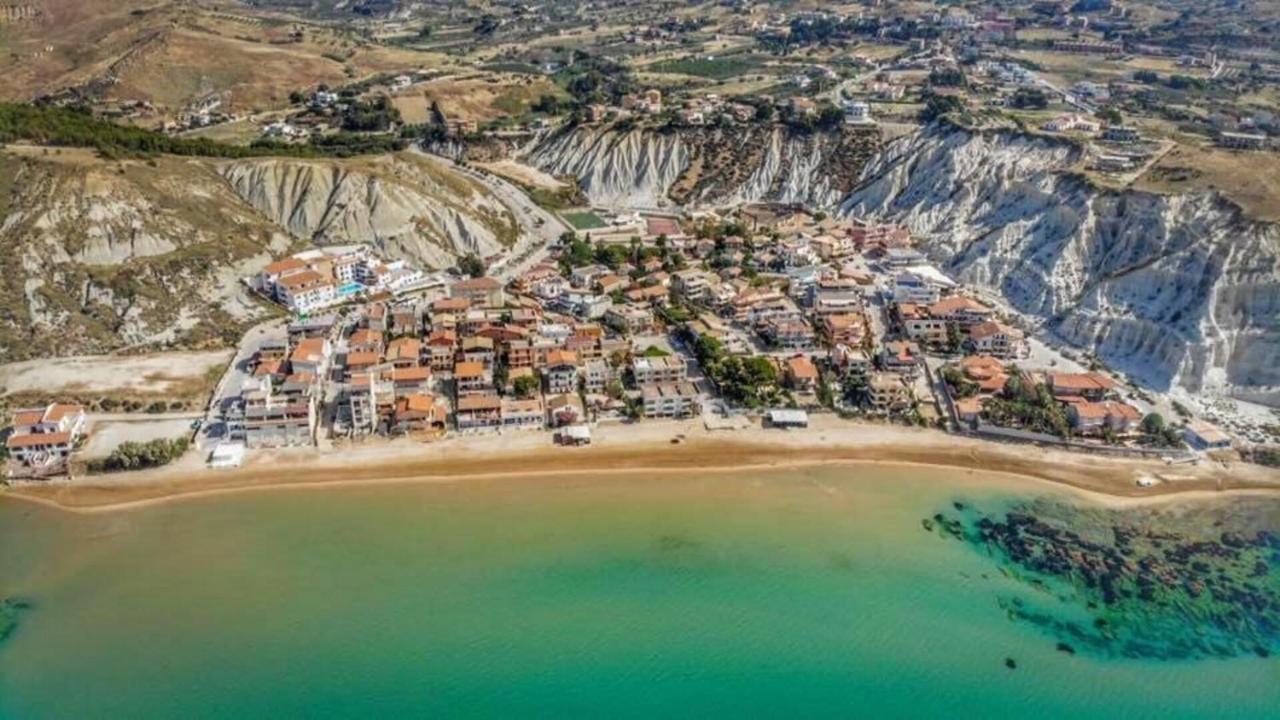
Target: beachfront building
478,413
520,414
561,372
265,416
1202,435
888,393
43,438
1091,386
1090,418
670,400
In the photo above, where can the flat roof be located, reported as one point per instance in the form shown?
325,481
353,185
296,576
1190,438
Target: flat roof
787,416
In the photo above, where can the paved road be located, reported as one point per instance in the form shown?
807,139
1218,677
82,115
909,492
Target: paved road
539,228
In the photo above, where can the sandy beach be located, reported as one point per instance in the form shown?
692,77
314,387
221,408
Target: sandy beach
645,448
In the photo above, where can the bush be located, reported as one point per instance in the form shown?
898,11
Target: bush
139,456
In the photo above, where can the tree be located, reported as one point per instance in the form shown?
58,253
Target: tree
525,386
471,265
424,32
1153,424
936,106
1110,115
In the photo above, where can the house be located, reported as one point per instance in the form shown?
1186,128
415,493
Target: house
665,370
1242,141
586,276
920,325
888,392
409,380
1121,135
471,378
478,412
801,374
418,412
517,414
963,311
1088,385
787,333
441,350
669,400
479,349
310,356
563,410
44,438
988,372
998,340
596,376
479,292
561,372
370,401
448,312
264,415
1204,436
365,340
1092,417
631,319
405,352
900,357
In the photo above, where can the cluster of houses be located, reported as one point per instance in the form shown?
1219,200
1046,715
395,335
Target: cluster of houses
317,279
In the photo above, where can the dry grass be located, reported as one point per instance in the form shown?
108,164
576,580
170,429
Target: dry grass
1251,179
474,97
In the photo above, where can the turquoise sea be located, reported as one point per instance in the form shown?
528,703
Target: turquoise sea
787,594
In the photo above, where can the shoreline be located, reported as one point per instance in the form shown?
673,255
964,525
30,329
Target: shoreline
647,448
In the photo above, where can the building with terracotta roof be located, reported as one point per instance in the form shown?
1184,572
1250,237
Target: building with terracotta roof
1089,385
561,372
801,374
478,412
470,378
520,414
995,338
480,292
1092,417
419,412
43,439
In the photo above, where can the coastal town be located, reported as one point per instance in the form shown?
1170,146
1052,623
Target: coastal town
763,315
737,291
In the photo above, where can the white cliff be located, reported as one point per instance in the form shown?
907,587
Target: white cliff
705,166
405,205
1178,290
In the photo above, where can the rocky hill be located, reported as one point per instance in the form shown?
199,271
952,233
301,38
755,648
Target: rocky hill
706,165
102,255
1177,289
406,205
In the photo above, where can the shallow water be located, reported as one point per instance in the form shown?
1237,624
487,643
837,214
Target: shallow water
813,593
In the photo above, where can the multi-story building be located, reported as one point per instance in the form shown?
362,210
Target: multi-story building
561,372
480,292
888,392
998,340
479,412
665,370
44,438
670,400
520,414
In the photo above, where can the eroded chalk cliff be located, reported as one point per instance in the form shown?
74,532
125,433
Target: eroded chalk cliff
1179,290
701,166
